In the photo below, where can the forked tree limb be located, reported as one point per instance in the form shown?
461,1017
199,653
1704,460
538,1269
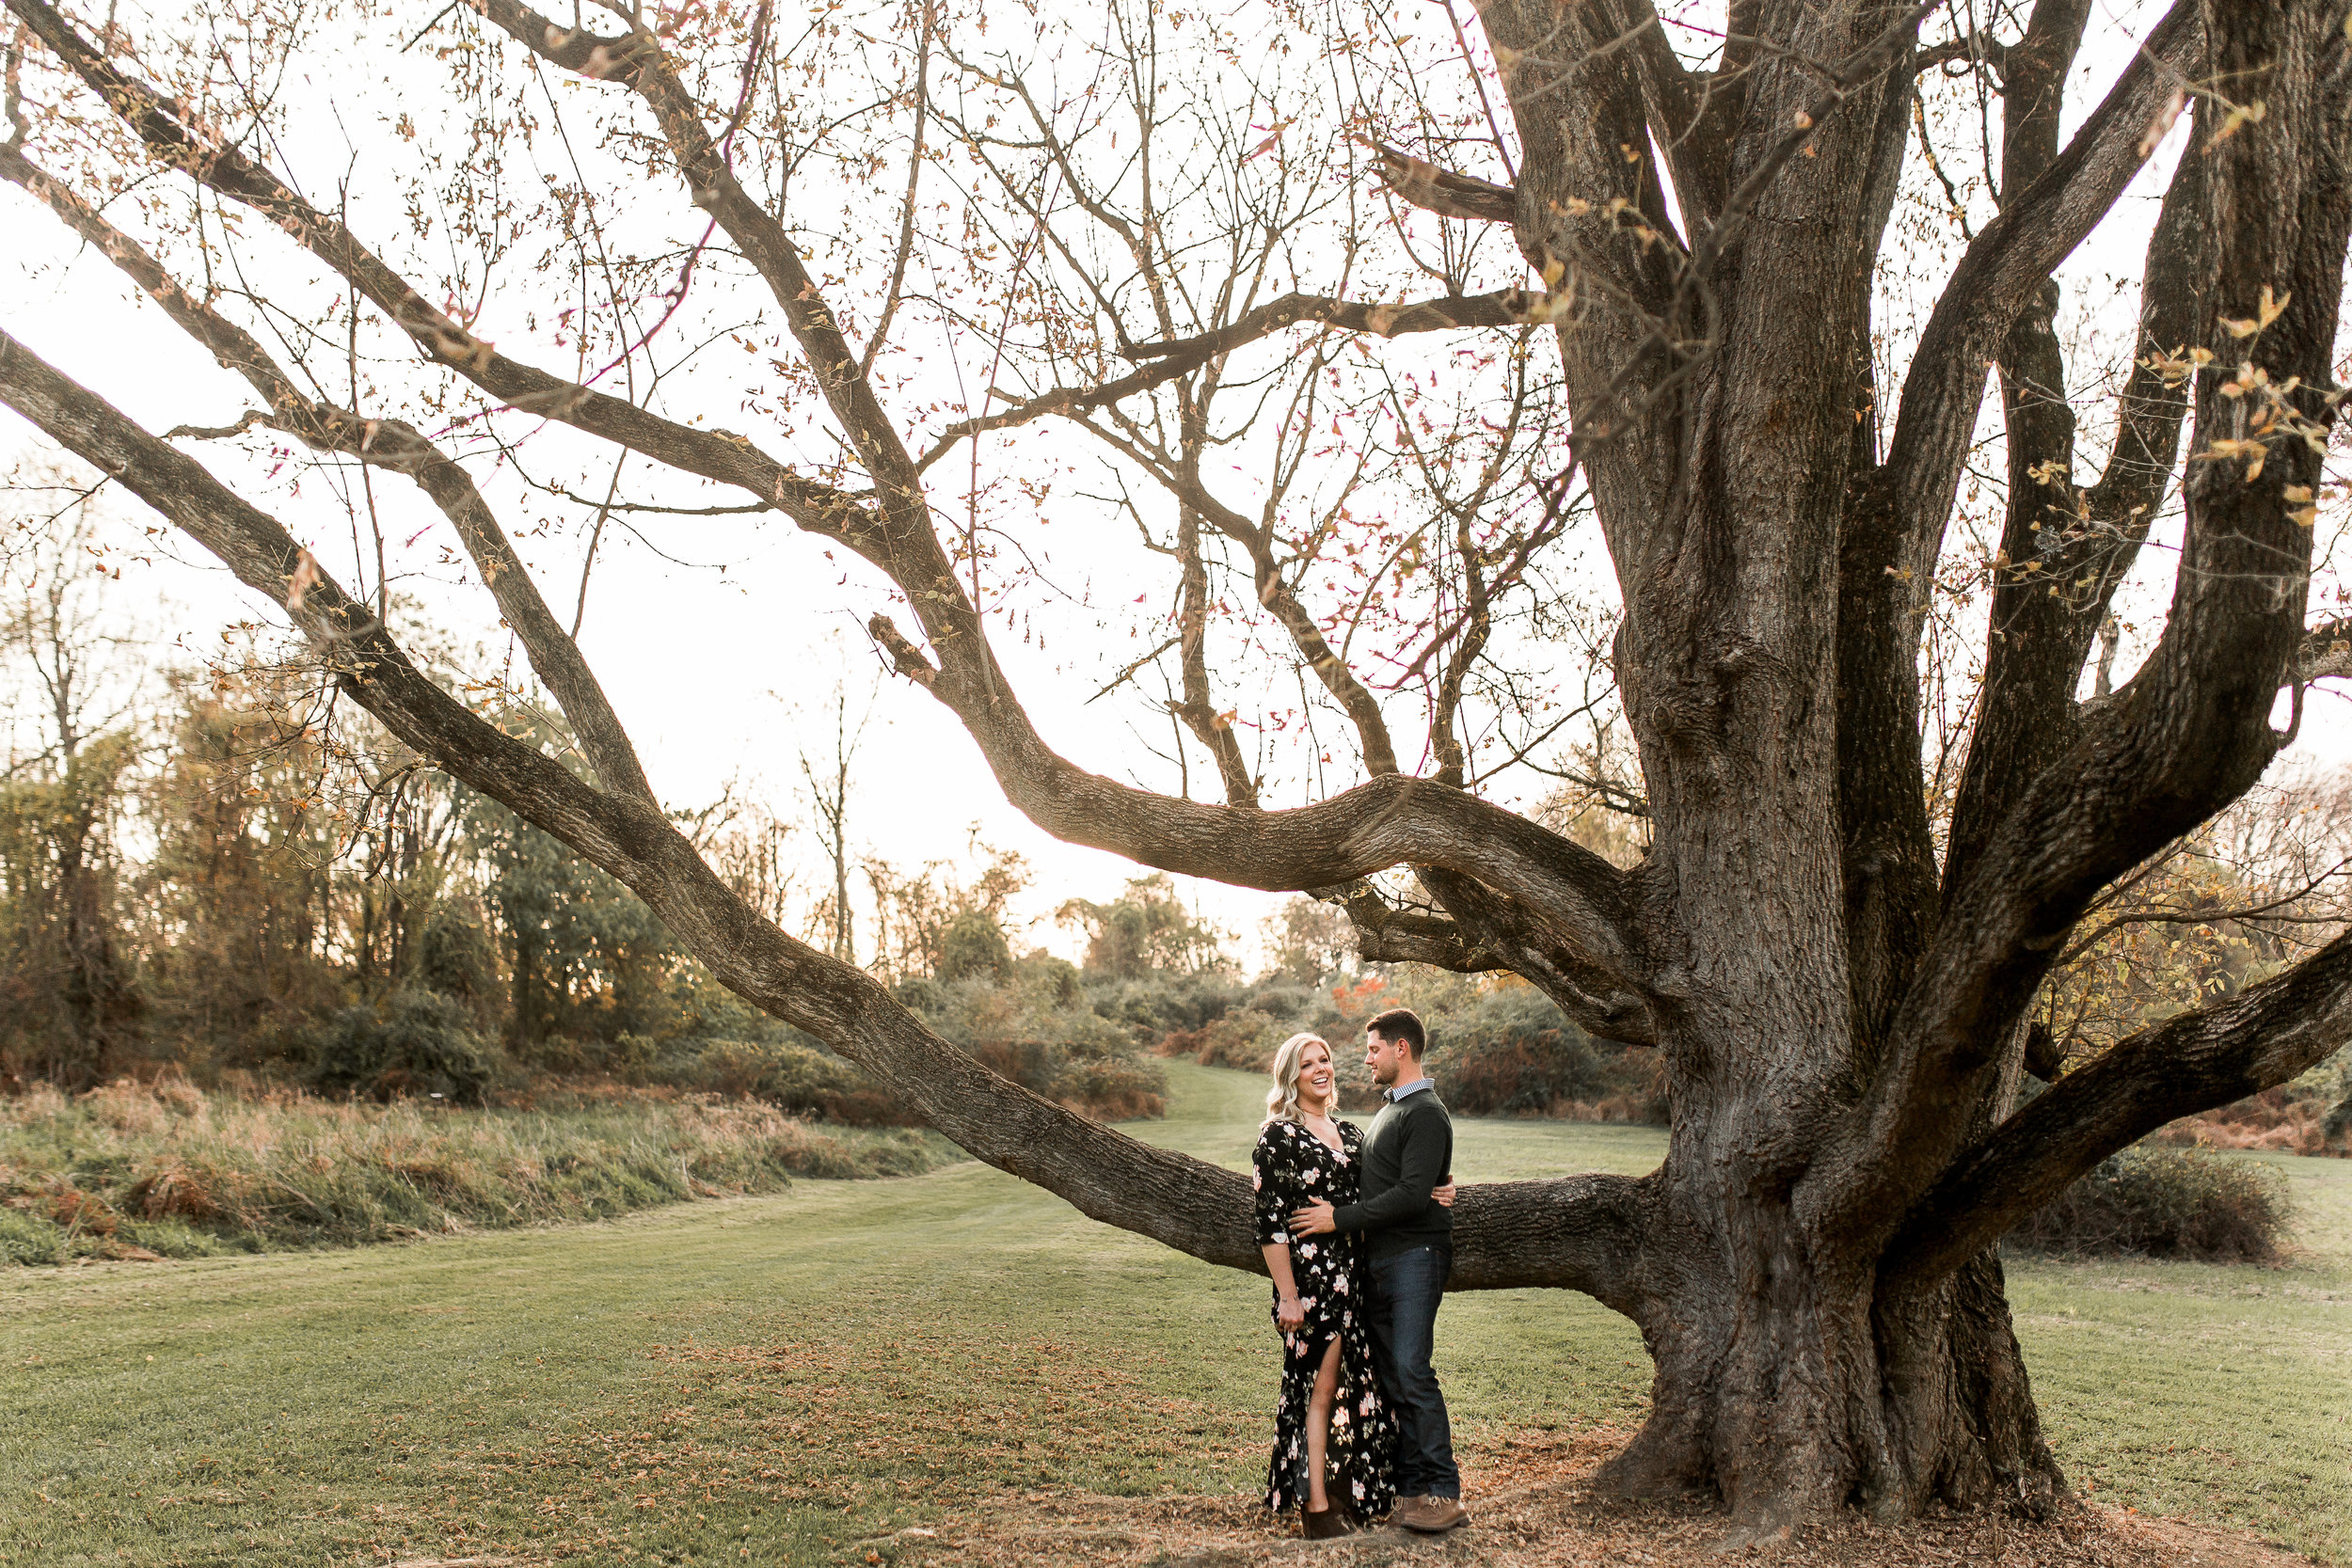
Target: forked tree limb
2208,1057
2037,229
2191,733
1692,115
1584,1234
2067,549
390,444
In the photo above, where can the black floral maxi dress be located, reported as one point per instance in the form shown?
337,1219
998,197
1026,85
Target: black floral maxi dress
1293,1169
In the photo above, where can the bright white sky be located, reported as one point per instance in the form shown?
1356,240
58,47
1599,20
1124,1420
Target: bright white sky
718,676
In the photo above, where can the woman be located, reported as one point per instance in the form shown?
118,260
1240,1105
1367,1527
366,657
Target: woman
1334,1436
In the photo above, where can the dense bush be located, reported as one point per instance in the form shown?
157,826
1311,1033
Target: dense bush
799,1077
2185,1203
1246,1040
414,1043
1152,1007
1497,1047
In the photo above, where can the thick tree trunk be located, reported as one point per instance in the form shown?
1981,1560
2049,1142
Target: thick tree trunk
1788,1387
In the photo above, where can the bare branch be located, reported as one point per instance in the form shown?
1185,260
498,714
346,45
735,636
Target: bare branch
392,444
1444,192
1172,360
713,455
2037,229
1213,730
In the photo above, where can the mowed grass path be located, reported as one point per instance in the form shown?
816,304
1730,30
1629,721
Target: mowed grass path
794,1379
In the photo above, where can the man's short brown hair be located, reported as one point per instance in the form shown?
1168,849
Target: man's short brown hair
1401,1025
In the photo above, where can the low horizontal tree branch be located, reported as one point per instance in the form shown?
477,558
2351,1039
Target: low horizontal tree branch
1592,1233
2195,1061
1584,1234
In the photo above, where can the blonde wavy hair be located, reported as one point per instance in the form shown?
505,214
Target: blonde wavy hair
1281,1100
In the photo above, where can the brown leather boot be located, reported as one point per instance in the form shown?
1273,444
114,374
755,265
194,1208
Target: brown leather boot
1430,1515
1326,1524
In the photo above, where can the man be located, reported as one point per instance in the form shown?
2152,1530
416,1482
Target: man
1408,1239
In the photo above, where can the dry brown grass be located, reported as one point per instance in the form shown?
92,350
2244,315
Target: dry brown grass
133,1170
2273,1121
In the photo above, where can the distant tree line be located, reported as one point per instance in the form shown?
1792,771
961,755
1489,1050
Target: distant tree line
209,865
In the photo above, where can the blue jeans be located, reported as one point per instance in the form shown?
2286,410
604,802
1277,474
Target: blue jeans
1405,1291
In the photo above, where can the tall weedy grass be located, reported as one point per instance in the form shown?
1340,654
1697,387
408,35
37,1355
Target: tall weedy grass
168,1170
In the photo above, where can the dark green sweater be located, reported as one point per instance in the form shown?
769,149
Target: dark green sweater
1406,1156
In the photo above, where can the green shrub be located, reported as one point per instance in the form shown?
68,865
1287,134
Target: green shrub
1246,1039
974,945
2185,1203
29,1239
797,1077
920,995
1155,1005
413,1043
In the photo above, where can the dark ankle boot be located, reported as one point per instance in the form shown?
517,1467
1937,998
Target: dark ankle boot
1325,1524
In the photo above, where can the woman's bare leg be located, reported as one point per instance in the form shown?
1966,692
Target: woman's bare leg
1319,1424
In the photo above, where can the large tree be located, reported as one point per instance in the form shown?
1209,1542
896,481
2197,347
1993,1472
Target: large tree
1833,952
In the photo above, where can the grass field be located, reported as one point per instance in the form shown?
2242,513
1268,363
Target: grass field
793,1378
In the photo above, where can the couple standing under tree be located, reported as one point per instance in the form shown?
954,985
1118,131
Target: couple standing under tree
1358,1236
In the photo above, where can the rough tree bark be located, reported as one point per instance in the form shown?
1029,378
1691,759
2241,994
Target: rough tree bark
1837,1004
